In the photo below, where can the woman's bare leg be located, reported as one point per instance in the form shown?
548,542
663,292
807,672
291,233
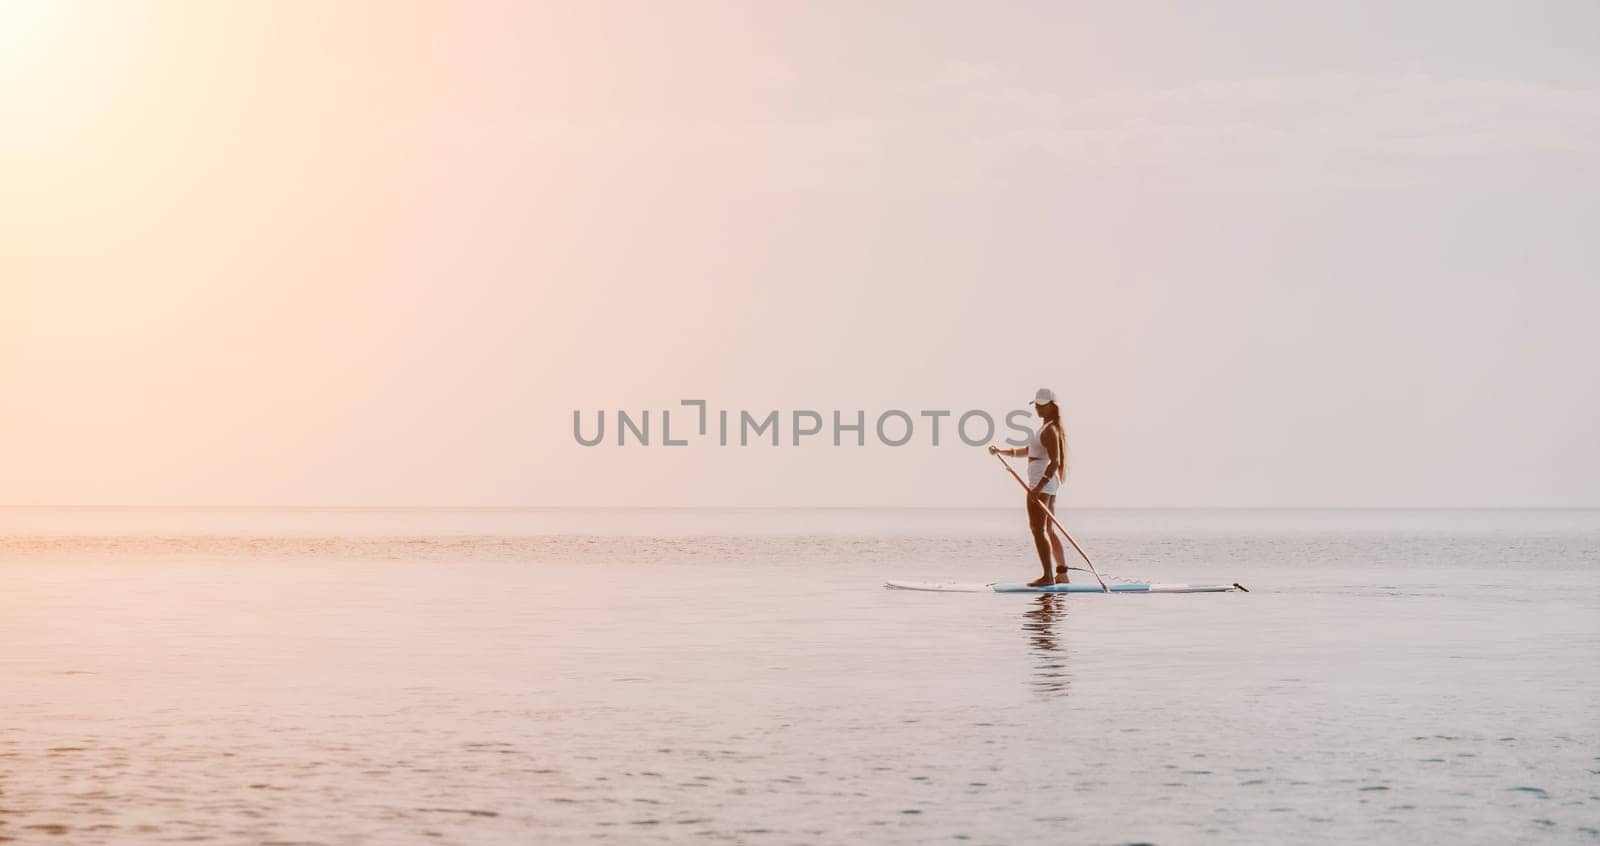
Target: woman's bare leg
1038,524
1058,550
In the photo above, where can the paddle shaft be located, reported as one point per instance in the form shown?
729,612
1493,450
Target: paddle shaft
1054,522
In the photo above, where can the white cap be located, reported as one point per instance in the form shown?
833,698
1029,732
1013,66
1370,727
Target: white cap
1043,396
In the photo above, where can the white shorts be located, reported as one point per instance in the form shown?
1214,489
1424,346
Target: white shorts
1050,486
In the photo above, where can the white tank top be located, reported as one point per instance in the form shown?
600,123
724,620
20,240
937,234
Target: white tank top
1039,459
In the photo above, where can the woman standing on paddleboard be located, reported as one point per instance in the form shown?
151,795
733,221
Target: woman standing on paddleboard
1047,468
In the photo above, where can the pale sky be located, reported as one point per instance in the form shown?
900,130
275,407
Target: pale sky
1269,254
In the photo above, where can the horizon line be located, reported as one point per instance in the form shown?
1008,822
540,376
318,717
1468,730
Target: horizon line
237,507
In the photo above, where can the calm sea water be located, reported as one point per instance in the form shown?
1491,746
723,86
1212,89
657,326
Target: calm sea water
557,676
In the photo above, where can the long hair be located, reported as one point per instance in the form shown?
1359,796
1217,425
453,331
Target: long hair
1052,417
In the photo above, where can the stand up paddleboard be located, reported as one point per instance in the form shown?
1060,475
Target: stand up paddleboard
1100,587
1006,587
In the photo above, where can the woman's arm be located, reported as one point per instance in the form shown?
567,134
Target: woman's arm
1013,451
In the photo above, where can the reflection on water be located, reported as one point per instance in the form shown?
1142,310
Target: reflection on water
1050,675
762,689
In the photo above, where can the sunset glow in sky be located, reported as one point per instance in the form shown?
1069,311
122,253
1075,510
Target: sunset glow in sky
377,254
